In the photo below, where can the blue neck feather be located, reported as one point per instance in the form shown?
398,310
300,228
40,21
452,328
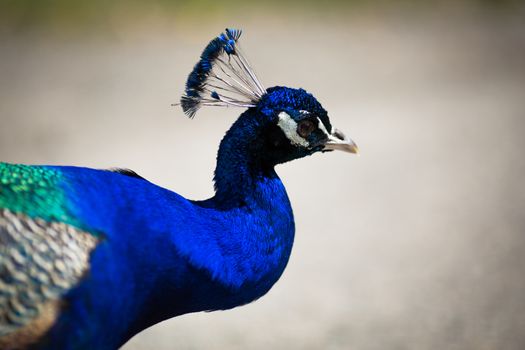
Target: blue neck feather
240,168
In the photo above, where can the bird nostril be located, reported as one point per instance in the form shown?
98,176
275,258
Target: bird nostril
339,134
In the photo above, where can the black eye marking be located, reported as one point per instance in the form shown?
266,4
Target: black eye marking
305,128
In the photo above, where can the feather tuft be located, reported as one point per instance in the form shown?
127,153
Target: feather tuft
222,77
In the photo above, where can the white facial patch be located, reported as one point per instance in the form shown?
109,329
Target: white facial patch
289,127
323,128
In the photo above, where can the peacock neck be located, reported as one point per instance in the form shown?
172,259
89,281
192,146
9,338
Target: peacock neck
240,170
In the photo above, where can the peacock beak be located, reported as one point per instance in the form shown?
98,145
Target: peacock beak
338,141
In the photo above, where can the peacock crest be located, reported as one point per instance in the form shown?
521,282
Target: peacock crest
223,77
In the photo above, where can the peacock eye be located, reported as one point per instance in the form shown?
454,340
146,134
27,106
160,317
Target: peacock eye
305,128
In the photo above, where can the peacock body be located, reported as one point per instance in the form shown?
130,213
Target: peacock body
89,258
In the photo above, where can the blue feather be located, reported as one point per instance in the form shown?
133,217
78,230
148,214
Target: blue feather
233,34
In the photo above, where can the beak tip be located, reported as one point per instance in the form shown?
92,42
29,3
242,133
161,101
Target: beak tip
338,141
355,149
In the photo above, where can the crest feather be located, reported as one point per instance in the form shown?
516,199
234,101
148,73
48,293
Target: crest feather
222,77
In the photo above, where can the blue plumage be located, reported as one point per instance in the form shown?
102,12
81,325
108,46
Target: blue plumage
159,255
163,255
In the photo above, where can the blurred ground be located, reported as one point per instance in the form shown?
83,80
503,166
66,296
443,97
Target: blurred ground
417,244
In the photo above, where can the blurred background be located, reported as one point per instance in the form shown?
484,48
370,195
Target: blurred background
419,243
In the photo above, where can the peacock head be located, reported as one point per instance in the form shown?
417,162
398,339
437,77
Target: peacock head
283,123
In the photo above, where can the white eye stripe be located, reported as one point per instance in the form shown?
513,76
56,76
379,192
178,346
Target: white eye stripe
322,127
289,127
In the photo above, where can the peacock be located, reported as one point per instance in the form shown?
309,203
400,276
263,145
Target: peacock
89,257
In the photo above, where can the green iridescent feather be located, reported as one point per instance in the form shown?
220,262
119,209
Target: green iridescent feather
36,191
43,253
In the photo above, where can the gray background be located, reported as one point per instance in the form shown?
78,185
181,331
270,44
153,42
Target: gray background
416,244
